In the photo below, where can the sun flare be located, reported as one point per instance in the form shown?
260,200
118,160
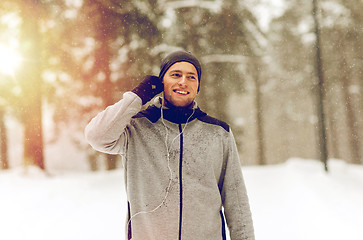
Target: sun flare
10,60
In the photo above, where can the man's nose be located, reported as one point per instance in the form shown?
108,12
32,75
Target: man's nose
183,80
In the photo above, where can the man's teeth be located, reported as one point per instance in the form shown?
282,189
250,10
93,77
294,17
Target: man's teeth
182,92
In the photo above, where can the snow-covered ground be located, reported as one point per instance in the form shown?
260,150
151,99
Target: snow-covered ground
291,201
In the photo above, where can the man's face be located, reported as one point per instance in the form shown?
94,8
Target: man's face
181,84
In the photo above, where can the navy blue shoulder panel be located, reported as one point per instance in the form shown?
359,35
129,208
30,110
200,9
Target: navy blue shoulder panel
214,121
152,113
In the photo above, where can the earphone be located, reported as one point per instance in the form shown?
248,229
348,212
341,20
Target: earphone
168,161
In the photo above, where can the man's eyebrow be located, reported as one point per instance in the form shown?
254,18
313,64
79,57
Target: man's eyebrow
180,71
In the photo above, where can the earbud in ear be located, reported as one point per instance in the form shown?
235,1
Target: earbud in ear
195,104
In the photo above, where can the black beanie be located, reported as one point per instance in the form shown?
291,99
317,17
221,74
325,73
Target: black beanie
179,56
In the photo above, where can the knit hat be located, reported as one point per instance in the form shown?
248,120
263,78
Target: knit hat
179,56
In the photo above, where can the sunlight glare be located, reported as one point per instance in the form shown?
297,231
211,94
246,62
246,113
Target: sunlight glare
10,60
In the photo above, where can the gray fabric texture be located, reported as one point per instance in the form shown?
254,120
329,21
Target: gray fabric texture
174,197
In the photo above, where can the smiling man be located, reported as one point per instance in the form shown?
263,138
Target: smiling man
180,85
182,171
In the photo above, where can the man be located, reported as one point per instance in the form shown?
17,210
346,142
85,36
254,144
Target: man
181,166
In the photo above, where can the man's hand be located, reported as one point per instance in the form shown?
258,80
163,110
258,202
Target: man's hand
149,88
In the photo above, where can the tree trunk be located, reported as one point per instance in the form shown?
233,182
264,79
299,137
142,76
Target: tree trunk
111,163
334,139
323,152
259,119
31,84
3,143
352,124
103,59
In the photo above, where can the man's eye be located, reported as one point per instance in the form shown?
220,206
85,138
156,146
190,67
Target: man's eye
176,75
192,77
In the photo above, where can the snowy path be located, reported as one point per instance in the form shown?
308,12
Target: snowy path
295,200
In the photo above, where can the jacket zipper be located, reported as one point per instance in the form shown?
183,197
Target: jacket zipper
181,181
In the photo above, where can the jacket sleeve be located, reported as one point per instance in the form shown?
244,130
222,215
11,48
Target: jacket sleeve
107,131
234,196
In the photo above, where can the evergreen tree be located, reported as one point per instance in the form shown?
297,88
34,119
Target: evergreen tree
31,83
222,34
112,40
341,45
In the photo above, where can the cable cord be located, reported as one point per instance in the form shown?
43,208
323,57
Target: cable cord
168,161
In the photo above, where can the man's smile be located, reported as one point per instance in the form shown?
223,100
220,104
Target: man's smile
182,92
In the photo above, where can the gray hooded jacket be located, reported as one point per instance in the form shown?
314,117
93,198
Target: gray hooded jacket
182,171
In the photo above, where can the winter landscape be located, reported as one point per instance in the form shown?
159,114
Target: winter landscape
295,200
63,61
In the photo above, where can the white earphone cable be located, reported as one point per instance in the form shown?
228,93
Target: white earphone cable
168,161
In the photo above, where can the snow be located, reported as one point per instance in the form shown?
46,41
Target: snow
298,200
295,200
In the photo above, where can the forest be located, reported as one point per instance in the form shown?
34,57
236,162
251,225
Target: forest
286,75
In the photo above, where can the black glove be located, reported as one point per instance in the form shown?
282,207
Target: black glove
149,88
